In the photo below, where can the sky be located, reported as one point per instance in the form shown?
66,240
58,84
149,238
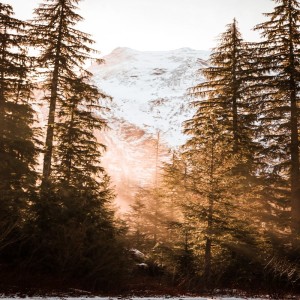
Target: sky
157,25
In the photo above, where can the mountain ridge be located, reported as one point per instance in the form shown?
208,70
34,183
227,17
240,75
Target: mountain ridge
148,90
149,87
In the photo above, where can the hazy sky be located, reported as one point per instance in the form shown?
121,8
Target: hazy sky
160,24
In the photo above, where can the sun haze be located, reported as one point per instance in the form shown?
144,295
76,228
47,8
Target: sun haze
160,25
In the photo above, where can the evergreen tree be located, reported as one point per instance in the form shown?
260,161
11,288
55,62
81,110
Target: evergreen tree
75,224
274,87
220,155
224,90
78,229
136,221
77,158
151,207
182,240
64,50
18,143
209,164
153,219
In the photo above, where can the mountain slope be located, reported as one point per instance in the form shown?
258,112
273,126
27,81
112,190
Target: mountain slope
149,96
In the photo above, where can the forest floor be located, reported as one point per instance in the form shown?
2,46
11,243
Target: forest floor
64,297
15,293
15,286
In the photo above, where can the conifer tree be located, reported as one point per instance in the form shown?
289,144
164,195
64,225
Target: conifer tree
274,88
18,143
220,153
153,218
209,164
64,50
137,224
79,222
77,166
224,91
75,223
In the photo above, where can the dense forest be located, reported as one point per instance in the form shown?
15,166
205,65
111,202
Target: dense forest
224,211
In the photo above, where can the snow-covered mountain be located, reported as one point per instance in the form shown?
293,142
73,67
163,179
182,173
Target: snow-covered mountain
149,96
149,88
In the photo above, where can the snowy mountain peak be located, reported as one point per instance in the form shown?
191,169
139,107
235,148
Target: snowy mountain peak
149,96
149,87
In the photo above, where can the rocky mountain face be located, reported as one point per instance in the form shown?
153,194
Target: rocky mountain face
146,113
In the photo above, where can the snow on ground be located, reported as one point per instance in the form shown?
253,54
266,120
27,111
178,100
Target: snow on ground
131,298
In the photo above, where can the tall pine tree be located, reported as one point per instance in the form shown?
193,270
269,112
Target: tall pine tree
275,90
63,52
75,223
18,143
220,154
224,90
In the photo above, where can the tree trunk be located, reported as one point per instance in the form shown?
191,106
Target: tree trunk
207,264
234,92
68,154
2,96
208,245
52,108
294,144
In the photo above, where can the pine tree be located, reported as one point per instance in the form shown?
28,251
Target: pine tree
18,142
64,50
78,223
274,89
75,224
209,184
224,91
220,154
182,240
153,219
77,166
136,222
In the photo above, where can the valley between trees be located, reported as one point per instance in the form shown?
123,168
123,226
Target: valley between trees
224,210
